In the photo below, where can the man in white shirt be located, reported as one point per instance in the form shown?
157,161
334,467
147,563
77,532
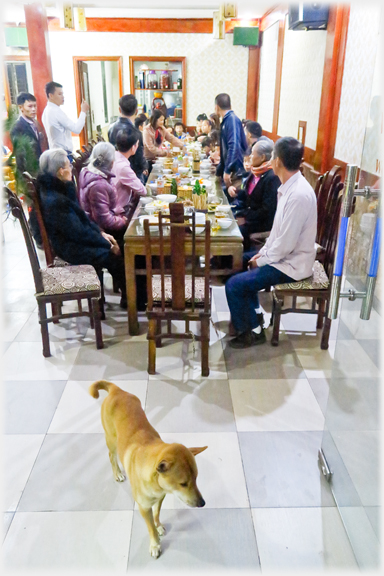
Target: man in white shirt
58,126
289,253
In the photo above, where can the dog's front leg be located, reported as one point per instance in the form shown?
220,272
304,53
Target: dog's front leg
154,539
156,517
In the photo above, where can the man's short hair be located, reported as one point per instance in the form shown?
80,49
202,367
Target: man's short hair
201,117
128,104
50,88
223,101
290,151
254,128
24,97
125,140
140,120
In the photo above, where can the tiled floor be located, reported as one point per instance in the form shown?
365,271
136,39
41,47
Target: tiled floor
261,413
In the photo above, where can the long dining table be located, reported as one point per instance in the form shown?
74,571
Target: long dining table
228,242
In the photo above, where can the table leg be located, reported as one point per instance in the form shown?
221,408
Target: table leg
237,258
130,277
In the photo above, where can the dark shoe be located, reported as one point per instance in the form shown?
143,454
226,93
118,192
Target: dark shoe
247,339
260,319
123,303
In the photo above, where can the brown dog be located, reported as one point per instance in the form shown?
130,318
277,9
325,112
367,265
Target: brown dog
154,468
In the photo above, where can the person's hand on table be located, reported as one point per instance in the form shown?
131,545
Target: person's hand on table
227,179
240,221
232,191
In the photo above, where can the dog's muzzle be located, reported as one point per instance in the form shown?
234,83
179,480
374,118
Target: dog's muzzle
201,503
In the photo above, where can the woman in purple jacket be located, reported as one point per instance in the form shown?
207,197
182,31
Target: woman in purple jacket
98,196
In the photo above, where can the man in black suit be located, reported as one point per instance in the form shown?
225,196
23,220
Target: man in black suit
27,138
126,122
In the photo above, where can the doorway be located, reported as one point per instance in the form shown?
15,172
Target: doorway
99,81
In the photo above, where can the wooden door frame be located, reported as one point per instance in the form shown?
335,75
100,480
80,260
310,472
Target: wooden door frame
76,60
6,59
181,59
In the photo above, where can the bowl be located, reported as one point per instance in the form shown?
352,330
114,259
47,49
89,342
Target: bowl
167,171
152,219
225,223
145,199
169,198
224,208
183,169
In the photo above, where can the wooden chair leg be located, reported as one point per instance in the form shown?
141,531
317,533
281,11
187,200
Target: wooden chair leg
276,324
152,327
205,347
90,308
44,329
320,314
158,331
55,312
115,286
97,323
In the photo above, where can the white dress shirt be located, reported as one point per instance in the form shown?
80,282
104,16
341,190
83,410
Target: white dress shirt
291,245
59,127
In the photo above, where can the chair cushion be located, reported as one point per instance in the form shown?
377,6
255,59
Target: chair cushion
199,289
69,279
59,262
317,281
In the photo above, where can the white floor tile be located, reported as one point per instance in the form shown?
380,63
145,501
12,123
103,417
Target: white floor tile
12,324
56,541
25,361
275,405
20,453
301,539
362,536
78,411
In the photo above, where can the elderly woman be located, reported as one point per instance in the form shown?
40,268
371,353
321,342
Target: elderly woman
154,136
73,236
98,196
257,199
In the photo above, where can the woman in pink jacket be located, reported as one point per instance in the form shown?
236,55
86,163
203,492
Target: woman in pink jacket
154,136
128,185
98,196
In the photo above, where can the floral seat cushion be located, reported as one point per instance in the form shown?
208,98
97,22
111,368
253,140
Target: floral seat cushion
69,279
199,290
318,280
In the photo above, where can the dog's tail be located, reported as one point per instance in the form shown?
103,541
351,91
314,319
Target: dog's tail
99,385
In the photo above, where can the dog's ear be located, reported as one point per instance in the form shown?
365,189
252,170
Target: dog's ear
163,466
196,451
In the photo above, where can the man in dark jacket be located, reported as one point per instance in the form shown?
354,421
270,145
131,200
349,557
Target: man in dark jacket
232,141
128,111
257,200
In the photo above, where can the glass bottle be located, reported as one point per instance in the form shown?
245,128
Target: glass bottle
152,80
179,83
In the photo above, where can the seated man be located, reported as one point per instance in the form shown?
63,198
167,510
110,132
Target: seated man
257,199
289,252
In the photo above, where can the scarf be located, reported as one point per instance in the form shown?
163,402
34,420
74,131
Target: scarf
158,137
259,170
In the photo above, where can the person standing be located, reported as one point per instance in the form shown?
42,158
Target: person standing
27,126
233,144
126,122
57,124
288,254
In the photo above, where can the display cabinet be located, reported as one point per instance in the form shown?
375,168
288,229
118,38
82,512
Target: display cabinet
160,77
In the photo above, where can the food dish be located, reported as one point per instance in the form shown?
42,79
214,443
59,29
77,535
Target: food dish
167,198
225,223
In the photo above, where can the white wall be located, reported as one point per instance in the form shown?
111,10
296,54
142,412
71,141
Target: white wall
359,65
301,83
268,61
213,66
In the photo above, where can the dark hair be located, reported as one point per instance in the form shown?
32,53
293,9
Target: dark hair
209,122
140,120
125,140
201,117
24,97
215,118
128,104
290,151
50,88
215,137
180,124
156,114
206,142
223,101
254,128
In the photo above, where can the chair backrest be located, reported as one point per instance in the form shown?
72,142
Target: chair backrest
33,191
330,239
327,191
18,212
173,240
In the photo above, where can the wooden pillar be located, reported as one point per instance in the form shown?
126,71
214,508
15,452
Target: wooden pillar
253,82
39,53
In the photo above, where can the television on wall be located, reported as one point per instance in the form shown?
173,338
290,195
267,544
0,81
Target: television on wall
308,17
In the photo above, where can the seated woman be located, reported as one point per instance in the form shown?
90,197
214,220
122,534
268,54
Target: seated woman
154,136
206,129
73,236
98,196
199,121
214,155
215,119
126,183
257,199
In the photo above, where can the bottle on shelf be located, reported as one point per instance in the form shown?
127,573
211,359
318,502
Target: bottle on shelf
152,83
179,83
165,80
141,79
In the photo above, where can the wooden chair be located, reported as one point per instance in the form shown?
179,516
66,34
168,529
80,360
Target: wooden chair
317,287
58,284
178,291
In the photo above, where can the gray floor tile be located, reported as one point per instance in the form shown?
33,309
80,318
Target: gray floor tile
6,345
281,469
372,349
73,472
208,540
43,395
374,516
320,388
19,301
364,542
264,361
191,406
220,299
7,519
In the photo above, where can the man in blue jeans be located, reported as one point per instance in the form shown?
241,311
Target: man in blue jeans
289,253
